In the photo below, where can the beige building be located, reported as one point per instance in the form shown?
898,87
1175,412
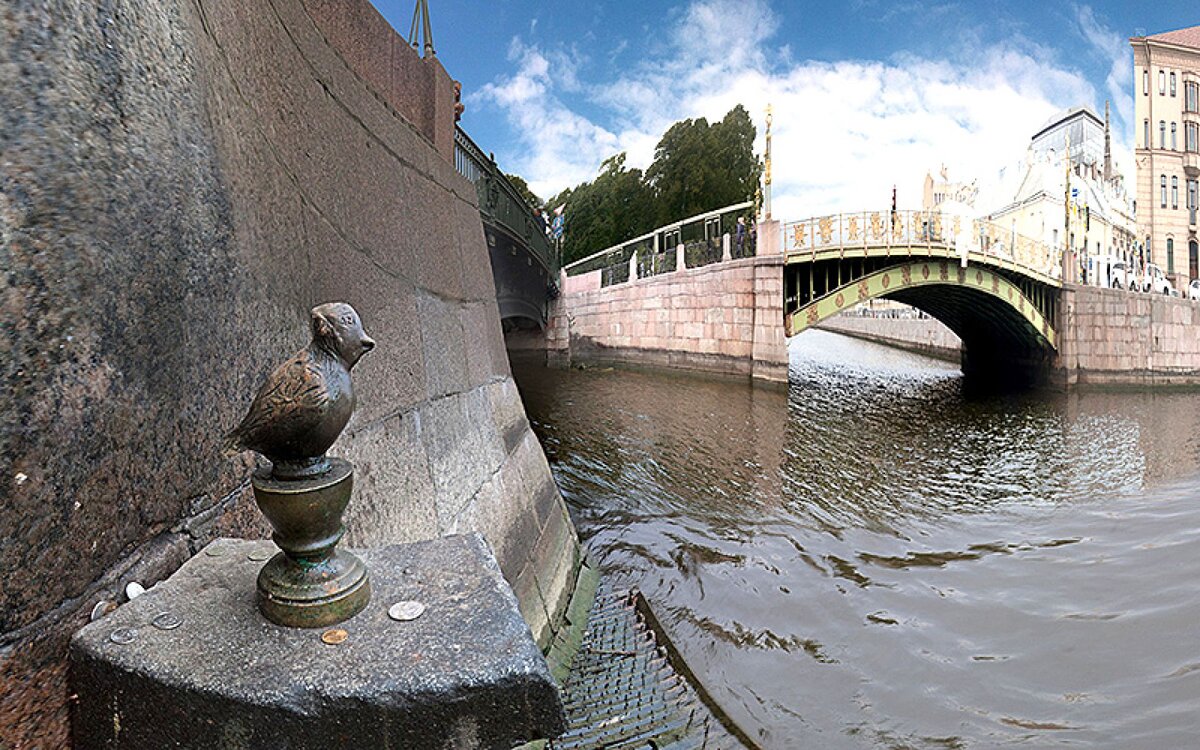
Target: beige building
1167,147
941,192
1066,192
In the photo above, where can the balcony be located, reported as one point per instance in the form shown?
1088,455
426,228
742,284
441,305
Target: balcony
1191,164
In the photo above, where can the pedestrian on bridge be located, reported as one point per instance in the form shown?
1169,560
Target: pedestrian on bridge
740,235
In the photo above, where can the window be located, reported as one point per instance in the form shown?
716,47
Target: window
1146,134
1191,96
1162,83
1162,133
1191,136
1145,82
1173,137
1172,84
1192,188
1162,182
1170,255
1174,192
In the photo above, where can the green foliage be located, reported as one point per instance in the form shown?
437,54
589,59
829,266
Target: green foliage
697,167
523,188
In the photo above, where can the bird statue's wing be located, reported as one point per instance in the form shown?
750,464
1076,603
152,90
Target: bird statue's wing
290,403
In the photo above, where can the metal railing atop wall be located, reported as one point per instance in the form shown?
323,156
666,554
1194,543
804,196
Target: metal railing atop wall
501,204
702,237
912,231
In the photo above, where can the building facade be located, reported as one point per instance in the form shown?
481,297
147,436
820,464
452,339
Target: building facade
1167,148
1067,193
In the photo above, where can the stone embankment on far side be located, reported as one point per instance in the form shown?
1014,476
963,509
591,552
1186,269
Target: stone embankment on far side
923,335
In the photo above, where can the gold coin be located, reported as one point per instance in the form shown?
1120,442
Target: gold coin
334,636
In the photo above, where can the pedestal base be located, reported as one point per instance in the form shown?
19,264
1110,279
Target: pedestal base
301,596
192,663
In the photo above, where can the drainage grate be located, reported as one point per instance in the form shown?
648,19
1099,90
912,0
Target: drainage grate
624,690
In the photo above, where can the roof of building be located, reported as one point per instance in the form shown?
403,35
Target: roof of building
1189,37
1070,114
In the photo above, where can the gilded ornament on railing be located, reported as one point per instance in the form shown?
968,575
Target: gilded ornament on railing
957,225
800,231
937,227
825,227
876,226
897,227
853,229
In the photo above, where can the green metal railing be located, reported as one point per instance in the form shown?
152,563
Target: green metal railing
701,235
500,204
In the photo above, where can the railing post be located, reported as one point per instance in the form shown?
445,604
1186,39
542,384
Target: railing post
680,260
725,249
633,271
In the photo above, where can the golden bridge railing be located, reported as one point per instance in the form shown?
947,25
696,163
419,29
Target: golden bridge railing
911,232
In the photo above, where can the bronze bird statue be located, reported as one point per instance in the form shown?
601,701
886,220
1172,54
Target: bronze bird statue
305,402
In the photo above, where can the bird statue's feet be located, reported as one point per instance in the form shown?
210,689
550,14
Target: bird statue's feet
304,468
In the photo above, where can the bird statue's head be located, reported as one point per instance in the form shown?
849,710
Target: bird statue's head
336,328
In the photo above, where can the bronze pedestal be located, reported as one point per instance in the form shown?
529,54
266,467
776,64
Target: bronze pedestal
309,584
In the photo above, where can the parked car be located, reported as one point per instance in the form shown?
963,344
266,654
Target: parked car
1121,276
1156,281
1194,291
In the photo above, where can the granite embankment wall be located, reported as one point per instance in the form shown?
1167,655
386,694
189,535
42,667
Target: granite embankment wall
182,180
922,335
725,318
1110,337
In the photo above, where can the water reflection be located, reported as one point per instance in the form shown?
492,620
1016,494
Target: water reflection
877,558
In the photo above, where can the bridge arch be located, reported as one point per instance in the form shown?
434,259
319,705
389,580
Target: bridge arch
1002,328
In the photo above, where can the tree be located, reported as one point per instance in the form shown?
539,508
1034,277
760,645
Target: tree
523,188
697,167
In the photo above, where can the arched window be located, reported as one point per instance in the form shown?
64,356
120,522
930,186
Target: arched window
1146,82
1162,181
1162,83
1170,255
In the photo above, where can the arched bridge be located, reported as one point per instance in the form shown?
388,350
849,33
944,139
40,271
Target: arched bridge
996,289
525,262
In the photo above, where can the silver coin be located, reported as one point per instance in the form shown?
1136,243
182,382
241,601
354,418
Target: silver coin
101,609
406,610
123,636
166,621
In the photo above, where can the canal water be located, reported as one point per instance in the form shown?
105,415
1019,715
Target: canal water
881,558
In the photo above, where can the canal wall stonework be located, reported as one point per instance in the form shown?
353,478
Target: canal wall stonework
1110,337
922,335
725,318
182,180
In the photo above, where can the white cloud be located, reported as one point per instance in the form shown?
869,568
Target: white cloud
845,131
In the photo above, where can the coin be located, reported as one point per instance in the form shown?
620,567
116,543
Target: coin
406,610
334,637
166,621
123,636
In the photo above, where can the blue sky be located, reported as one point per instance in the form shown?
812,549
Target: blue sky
866,93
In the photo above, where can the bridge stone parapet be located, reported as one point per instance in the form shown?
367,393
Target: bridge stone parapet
722,318
1117,338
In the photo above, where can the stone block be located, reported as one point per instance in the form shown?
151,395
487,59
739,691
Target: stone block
226,677
463,449
393,497
443,345
556,559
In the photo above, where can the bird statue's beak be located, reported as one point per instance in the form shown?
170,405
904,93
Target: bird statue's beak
368,343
